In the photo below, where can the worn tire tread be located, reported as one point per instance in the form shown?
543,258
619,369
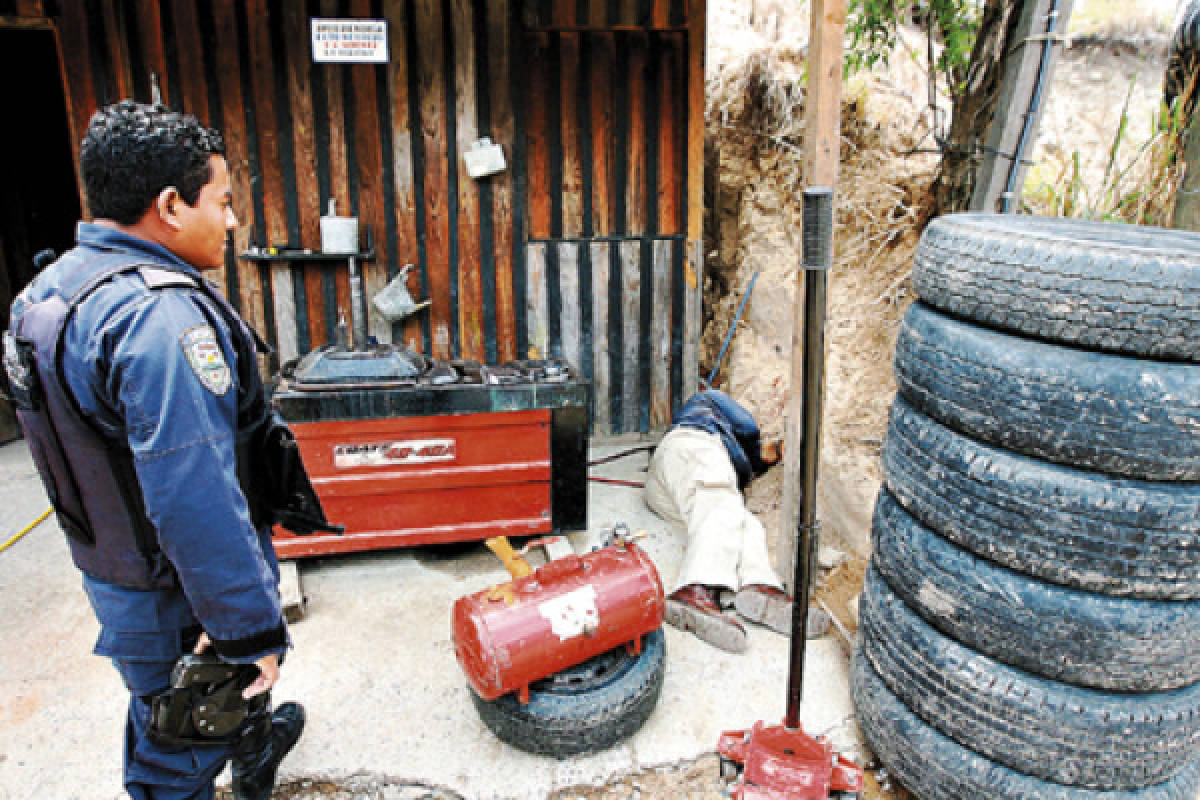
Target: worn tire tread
1079,637
1096,285
1073,527
933,766
1045,728
1122,416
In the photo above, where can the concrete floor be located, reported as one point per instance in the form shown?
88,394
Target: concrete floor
374,666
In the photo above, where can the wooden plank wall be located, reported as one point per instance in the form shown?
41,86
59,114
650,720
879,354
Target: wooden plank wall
584,248
606,158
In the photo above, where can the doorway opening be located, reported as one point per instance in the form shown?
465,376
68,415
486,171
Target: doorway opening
39,195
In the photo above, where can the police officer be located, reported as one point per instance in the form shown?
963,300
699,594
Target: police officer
138,391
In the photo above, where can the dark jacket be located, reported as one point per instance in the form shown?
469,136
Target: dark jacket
716,412
157,371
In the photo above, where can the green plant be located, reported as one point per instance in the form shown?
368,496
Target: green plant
1138,188
952,23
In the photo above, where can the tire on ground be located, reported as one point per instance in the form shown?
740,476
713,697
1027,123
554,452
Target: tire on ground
1071,527
1123,416
1051,730
585,708
1082,638
1096,285
934,767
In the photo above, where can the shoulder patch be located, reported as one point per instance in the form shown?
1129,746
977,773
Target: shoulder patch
156,278
206,359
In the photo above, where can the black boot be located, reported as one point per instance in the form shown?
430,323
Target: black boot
256,758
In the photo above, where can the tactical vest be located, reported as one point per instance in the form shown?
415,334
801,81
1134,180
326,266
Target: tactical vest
90,477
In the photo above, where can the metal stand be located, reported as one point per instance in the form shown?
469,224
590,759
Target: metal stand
782,760
818,258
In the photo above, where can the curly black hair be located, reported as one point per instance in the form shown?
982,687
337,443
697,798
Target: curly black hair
132,151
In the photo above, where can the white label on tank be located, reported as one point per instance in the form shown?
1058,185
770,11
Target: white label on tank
385,454
571,614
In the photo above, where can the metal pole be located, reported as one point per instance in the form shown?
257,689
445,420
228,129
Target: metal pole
358,313
818,258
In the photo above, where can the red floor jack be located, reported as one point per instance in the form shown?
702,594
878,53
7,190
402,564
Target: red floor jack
782,762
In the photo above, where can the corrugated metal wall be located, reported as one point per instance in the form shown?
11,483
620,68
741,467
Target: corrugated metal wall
586,248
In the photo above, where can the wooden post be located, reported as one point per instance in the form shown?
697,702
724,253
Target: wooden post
1028,74
822,109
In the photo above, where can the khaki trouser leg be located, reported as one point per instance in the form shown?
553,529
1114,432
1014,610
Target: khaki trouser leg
691,482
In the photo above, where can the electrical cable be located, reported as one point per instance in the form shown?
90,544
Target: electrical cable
623,454
26,530
617,481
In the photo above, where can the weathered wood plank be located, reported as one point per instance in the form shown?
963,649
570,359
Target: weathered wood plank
339,170
695,123
631,305
538,135
503,132
597,13
368,157
635,185
403,177
118,54
572,175
263,64
660,338
570,316
466,131
628,12
148,24
671,136
562,14
233,108
601,372
308,199
823,100
192,93
660,15
537,301
76,60
30,8
432,103
603,200
691,318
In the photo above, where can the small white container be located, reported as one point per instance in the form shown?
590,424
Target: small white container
338,234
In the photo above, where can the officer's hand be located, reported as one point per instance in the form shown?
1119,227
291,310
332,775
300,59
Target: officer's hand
268,674
202,644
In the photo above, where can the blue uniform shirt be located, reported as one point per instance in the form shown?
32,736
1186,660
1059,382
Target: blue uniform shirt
144,366
716,412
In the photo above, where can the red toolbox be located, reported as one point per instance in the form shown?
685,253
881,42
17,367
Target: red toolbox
403,450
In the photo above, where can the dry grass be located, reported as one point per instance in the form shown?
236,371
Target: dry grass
755,127
1139,183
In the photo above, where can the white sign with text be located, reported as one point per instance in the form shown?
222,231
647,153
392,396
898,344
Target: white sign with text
349,41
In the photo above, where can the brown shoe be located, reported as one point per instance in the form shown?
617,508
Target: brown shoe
694,609
772,607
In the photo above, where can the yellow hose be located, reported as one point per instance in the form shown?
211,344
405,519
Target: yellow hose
26,530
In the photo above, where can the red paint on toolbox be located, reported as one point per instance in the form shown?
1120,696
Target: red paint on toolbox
420,480
564,613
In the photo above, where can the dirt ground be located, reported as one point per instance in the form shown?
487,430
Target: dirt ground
754,152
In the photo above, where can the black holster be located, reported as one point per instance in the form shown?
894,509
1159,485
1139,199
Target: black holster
204,703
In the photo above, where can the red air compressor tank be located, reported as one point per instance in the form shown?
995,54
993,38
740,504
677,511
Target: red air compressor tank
562,614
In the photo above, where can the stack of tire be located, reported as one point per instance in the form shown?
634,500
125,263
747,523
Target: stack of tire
1030,623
